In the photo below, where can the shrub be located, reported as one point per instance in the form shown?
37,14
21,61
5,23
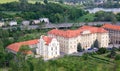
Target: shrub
117,57
102,50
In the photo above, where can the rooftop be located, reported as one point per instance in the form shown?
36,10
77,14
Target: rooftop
110,26
77,32
16,46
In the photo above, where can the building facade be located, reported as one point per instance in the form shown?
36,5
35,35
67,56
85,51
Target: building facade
48,47
85,35
114,33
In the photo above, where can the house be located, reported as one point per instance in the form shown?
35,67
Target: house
45,20
2,24
48,47
114,33
85,35
25,23
35,21
12,23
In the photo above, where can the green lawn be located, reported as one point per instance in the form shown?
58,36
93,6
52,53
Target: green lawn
3,69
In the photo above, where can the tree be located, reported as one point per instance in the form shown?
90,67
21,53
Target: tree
101,50
23,49
112,53
46,1
96,44
1,46
113,19
79,47
23,1
61,1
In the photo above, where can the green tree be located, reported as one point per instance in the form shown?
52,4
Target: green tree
112,53
40,65
46,1
113,19
61,1
101,50
1,46
79,47
23,1
23,49
96,44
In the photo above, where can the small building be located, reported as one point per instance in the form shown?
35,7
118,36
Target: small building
2,24
25,23
35,21
45,20
48,47
12,23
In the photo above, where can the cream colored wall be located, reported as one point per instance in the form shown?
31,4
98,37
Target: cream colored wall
69,45
103,39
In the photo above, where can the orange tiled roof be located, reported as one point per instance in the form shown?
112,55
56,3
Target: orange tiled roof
47,39
74,33
110,26
16,46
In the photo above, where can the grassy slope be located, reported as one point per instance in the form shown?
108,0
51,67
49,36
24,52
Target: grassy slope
72,63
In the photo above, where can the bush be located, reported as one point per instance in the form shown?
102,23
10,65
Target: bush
117,57
119,48
102,50
112,53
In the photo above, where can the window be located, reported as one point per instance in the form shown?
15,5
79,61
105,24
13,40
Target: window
51,48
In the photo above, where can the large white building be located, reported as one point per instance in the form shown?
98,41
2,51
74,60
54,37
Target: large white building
48,47
85,35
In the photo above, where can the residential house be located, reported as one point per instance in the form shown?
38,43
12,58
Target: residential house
35,21
45,20
12,23
25,23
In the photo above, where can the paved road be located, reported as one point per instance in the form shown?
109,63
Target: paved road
58,25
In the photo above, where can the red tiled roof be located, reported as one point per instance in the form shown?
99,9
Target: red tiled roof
74,33
16,46
110,26
47,39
